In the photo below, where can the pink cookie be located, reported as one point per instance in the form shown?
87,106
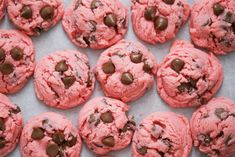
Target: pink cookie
35,16
63,79
10,125
95,23
188,77
104,125
126,70
17,60
213,128
50,135
2,8
162,134
156,21
212,25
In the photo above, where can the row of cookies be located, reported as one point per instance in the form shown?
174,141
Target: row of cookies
104,125
101,23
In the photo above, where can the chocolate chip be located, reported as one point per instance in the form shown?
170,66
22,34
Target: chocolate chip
130,125
162,154
2,124
52,150
233,27
2,142
150,13
95,4
16,110
92,118
108,141
147,68
16,53
110,20
142,150
58,138
136,57
37,134
185,87
221,113
61,66
127,78
177,65
161,23
72,140
218,9
89,79
2,54
6,68
193,83
47,12
68,81
169,1
229,17
107,117
26,12
108,67
205,139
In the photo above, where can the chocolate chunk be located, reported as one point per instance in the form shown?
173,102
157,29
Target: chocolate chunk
142,150
130,125
47,13
193,83
37,134
2,54
16,110
16,53
108,67
107,117
150,13
26,12
2,142
233,27
147,68
68,81
229,17
52,150
110,20
72,140
221,113
108,141
205,139
169,1
2,124
127,78
58,138
89,79
95,4
185,87
218,9
136,57
61,66
6,68
177,65
161,23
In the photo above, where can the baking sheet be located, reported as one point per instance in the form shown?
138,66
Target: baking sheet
56,39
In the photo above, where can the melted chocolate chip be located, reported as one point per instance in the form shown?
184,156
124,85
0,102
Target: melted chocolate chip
2,124
6,68
110,20
108,67
161,23
61,66
185,87
52,150
142,150
58,138
37,134
16,53
218,9
107,117
177,65
47,13
2,142
127,78
108,141
72,140
136,57
221,113
2,54
147,68
68,81
26,12
95,4
150,13
170,2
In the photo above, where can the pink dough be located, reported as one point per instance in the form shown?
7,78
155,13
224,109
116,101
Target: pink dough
85,26
23,68
10,127
176,13
162,134
49,84
105,117
119,55
197,81
35,24
213,128
2,8
51,124
210,31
